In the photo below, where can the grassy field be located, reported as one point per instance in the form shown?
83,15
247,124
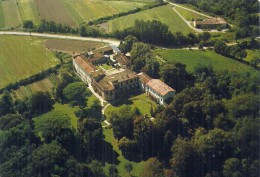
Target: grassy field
252,54
22,57
2,23
72,45
137,167
11,14
188,15
194,58
87,10
61,108
28,11
142,102
54,11
69,110
165,14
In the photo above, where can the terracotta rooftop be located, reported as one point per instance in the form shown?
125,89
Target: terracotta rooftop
97,73
144,78
159,86
107,83
212,21
85,65
122,59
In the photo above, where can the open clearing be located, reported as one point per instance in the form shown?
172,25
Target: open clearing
11,14
165,14
188,15
86,10
193,58
72,45
21,57
137,167
28,11
252,54
54,10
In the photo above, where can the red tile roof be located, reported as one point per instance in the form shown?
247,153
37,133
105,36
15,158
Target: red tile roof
86,66
159,86
122,59
144,78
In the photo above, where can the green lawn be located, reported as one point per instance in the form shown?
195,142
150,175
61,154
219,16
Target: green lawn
21,57
252,54
11,14
86,10
188,15
137,167
2,23
194,58
165,14
142,102
106,66
61,108
28,11
91,99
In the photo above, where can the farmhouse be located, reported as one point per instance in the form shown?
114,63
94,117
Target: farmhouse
211,23
122,82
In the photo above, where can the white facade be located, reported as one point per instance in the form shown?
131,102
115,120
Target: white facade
82,74
160,98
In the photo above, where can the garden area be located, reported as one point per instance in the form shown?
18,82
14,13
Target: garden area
142,102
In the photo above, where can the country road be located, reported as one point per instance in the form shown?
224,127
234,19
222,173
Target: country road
58,36
190,10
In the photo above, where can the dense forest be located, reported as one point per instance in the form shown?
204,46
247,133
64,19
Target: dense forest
211,127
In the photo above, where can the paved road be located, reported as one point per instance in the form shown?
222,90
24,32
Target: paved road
58,36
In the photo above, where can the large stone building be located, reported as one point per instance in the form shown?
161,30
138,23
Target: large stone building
211,23
155,88
121,83
117,85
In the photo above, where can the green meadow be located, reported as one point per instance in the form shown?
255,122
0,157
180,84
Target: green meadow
193,58
21,57
165,14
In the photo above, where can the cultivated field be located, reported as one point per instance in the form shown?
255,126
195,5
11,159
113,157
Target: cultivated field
44,85
12,17
21,57
194,58
54,11
71,45
28,11
87,10
165,14
2,23
188,15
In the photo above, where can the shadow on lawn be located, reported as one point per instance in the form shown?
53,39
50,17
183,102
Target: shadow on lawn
107,154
